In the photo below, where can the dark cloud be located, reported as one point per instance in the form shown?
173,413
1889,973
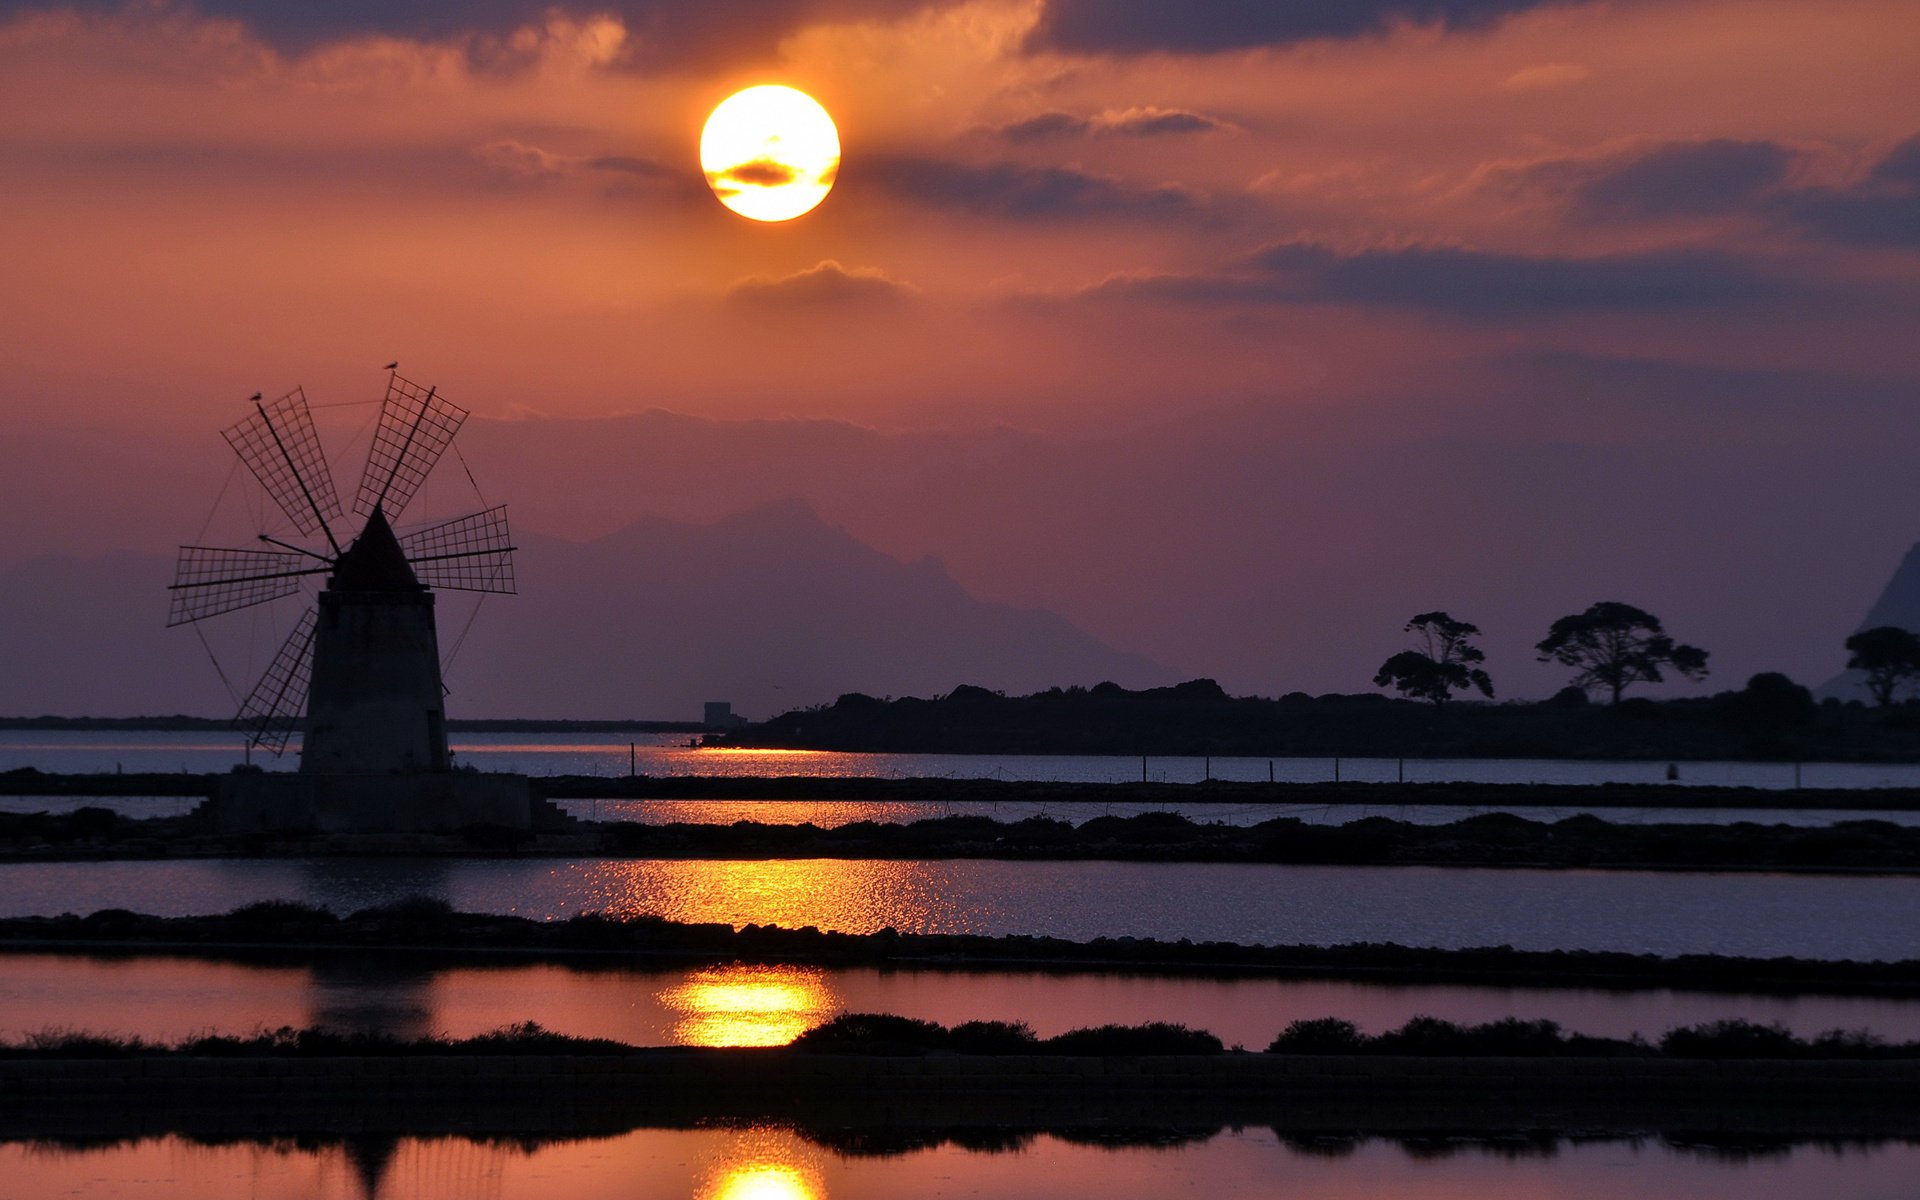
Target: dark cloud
1881,210
1146,26
826,284
663,32
1685,179
627,164
1866,217
761,172
1012,190
1466,283
1133,122
1046,126
1901,165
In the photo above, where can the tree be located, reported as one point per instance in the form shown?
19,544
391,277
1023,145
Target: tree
1613,645
1443,664
1889,655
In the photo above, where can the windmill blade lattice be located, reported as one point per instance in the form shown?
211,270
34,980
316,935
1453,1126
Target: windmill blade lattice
271,712
473,553
416,427
210,580
280,447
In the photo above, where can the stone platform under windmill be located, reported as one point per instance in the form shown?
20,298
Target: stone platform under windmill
366,658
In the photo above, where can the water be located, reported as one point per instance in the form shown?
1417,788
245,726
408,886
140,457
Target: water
659,754
1813,916
167,998
829,813
773,1163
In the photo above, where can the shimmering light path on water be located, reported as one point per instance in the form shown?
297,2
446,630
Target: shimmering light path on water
1814,916
614,754
763,1005
778,1164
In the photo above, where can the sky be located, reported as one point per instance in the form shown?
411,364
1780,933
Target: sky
1237,333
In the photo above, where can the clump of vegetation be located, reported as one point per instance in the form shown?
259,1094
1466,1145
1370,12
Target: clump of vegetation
1155,1037
1512,1037
288,1042
881,1033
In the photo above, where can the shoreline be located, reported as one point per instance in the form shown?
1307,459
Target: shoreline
1493,840
32,782
1810,1098
431,933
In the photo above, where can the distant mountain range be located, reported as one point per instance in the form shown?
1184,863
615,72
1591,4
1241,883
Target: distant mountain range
770,608
1898,605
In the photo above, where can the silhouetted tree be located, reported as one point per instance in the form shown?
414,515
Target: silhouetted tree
1443,664
1889,655
1613,645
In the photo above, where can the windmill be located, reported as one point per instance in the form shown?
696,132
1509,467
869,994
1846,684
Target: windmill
364,661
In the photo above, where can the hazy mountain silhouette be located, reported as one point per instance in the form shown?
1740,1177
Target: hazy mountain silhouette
1899,606
770,608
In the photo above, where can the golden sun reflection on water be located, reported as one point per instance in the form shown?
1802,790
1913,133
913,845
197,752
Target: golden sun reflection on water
850,895
744,1005
763,1164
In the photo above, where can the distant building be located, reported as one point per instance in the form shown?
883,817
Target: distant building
720,715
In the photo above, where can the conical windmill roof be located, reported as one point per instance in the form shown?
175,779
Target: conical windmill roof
375,562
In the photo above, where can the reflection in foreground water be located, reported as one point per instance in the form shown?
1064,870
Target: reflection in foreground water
1655,912
763,1164
780,1164
166,999
748,1005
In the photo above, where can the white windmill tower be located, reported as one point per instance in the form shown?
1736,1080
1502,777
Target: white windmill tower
364,662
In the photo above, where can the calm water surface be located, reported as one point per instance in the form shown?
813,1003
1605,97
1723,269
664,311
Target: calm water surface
166,999
777,1164
652,754
1815,916
829,813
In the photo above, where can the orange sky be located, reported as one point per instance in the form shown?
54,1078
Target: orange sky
1460,236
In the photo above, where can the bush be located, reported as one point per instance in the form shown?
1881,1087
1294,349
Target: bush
1325,1035
1732,1039
1156,1037
873,1033
993,1037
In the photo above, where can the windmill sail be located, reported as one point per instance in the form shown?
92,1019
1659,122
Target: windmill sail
210,580
416,427
473,553
279,445
271,712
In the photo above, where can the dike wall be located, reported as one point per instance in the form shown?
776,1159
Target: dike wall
556,1093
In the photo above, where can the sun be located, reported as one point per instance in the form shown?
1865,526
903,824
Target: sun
770,152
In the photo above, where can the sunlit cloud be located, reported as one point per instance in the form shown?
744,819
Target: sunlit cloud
1546,75
1130,122
827,284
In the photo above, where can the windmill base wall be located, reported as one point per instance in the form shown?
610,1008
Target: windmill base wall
426,802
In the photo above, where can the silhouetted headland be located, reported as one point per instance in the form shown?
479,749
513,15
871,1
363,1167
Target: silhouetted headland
1763,721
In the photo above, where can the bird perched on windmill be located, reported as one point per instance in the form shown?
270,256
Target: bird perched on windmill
364,661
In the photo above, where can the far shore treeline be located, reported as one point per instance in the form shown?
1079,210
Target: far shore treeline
1608,648
1770,719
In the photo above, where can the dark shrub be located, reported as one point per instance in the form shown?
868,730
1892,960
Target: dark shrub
873,1033
92,821
993,1037
1731,1039
1325,1035
275,916
1156,1037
